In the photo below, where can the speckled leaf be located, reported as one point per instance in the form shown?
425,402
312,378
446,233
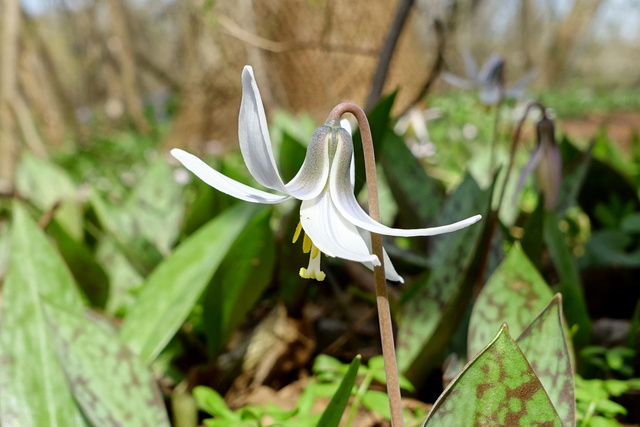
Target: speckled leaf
575,165
118,223
169,293
498,388
33,390
111,384
434,308
546,347
514,294
156,206
43,184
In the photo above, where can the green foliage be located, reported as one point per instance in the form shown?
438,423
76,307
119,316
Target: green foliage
436,302
594,404
182,268
514,294
87,348
497,388
170,292
271,415
33,387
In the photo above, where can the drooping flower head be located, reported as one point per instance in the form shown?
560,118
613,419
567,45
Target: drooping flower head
330,216
489,81
547,163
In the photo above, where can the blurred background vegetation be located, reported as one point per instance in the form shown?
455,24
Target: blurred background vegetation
93,93
76,70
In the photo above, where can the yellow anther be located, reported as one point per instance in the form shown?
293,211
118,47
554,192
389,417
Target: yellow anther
306,244
297,233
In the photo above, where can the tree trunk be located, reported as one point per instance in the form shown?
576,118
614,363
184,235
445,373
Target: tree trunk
569,32
125,53
8,83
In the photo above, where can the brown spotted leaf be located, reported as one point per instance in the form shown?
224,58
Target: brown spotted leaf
514,294
498,388
437,303
546,347
33,389
111,384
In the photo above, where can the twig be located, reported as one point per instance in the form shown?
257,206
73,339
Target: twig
402,13
382,299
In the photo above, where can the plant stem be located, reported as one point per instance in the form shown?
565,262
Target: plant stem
382,299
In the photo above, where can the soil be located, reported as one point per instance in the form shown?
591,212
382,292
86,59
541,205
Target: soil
620,126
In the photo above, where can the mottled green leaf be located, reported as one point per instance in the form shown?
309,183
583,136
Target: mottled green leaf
514,294
89,275
44,184
575,165
548,351
123,277
111,384
438,302
156,206
332,415
418,196
119,224
33,390
239,282
575,307
169,293
533,240
497,388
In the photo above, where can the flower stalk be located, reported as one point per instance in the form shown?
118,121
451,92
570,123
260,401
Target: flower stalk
382,298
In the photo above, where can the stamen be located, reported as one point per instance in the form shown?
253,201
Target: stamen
306,244
297,233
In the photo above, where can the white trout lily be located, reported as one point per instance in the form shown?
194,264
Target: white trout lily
489,80
333,221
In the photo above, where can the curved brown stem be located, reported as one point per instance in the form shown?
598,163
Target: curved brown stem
382,299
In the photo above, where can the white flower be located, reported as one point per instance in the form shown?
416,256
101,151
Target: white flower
489,80
333,221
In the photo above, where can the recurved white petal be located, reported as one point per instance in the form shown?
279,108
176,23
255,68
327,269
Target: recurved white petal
253,134
331,232
491,94
224,183
342,195
456,81
314,173
490,69
390,272
470,65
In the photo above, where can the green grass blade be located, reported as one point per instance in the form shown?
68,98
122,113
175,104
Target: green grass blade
172,289
33,389
111,384
332,415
